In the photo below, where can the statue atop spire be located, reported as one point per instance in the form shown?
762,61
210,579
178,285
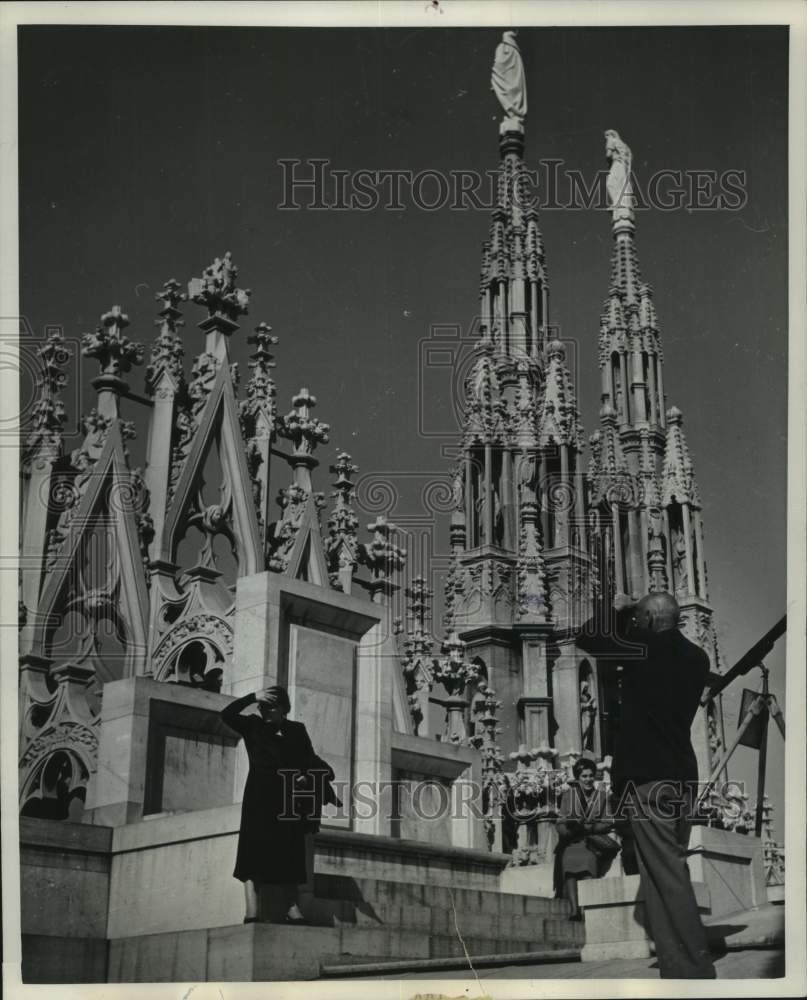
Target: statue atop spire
620,188
508,83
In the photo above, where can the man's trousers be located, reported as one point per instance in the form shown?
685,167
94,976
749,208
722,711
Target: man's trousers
660,824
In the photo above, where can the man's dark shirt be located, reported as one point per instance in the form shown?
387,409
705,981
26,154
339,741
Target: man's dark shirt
661,691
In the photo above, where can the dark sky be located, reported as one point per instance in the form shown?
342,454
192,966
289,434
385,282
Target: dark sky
146,152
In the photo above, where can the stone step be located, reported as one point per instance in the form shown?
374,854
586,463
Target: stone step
514,928
480,943
367,893
350,969
270,952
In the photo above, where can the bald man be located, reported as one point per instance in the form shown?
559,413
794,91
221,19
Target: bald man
654,777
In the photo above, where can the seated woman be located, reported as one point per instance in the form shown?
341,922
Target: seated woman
584,819
285,788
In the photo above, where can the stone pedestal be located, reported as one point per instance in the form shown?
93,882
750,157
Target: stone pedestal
731,866
437,785
614,917
162,748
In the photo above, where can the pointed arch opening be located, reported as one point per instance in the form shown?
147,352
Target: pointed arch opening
57,788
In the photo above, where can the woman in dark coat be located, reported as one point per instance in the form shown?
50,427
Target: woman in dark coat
583,848
285,788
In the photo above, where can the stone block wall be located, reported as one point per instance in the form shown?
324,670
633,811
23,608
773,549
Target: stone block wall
64,887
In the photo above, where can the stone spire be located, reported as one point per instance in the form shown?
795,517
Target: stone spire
42,487
261,391
630,342
417,660
641,467
341,545
304,432
258,418
48,415
518,544
559,418
608,473
165,383
632,415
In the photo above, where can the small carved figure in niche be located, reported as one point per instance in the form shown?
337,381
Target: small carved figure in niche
588,713
679,559
498,519
478,383
481,517
620,401
527,473
457,489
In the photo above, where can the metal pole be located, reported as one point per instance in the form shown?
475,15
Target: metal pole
757,706
763,754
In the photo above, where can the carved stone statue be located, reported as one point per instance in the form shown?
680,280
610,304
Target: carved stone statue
679,560
507,78
528,472
498,519
458,489
481,517
619,186
588,713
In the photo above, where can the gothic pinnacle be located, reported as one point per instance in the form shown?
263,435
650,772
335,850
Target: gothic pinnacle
167,350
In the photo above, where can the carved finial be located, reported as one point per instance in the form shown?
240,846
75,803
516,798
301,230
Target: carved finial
452,669
303,430
216,290
263,338
382,557
114,352
170,297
